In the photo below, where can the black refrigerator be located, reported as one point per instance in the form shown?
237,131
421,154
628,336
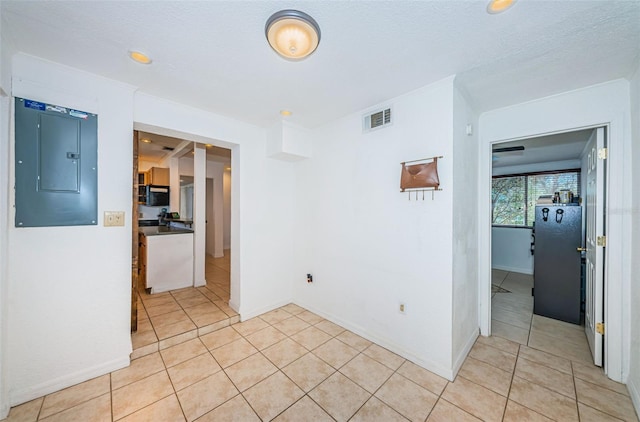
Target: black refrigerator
557,262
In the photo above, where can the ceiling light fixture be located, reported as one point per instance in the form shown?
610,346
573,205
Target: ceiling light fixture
146,141
292,34
286,113
499,6
139,57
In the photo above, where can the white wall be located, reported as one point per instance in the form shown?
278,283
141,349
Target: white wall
261,199
69,287
6,51
368,247
597,105
633,382
511,249
465,229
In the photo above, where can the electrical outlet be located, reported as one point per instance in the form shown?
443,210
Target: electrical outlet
309,278
402,308
113,218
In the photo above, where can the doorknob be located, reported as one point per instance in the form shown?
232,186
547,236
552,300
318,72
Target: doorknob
581,249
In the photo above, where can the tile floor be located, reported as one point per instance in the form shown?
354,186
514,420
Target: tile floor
292,365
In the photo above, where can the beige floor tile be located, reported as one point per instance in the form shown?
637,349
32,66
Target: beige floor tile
144,325
589,414
492,356
366,372
157,300
144,351
595,375
304,409
486,375
26,412
185,293
143,338
193,301
182,352
291,325
542,400
275,316
193,370
407,398
224,307
293,309
384,356
284,352
171,330
547,377
329,328
250,326
168,318
447,412
354,340
94,410
605,400
235,410
500,343
553,345
339,396
165,410
233,352
164,308
72,396
207,329
308,371
376,411
559,329
310,317
547,359
475,399
204,319
518,413
509,332
335,353
220,338
139,394
250,371
178,339
311,337
139,369
265,337
273,395
206,395
422,377
513,318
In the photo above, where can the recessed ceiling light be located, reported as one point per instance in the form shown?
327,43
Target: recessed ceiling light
146,141
227,168
292,34
208,145
499,6
286,112
139,57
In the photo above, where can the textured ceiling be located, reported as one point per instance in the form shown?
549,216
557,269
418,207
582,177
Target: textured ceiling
213,54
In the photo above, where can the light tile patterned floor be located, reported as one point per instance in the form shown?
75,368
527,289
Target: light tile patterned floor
292,365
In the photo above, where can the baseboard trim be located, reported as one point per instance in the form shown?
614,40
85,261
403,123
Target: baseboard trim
634,392
245,315
4,411
389,345
513,269
459,361
24,395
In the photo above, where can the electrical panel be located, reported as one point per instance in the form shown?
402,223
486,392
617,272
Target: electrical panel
56,165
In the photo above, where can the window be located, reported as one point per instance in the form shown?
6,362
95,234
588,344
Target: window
514,197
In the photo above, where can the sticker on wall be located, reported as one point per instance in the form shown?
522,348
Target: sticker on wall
35,105
56,108
79,114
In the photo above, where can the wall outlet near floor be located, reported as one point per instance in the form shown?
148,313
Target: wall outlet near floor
113,218
402,308
309,278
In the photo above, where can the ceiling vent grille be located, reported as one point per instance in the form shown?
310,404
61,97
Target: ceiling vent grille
377,120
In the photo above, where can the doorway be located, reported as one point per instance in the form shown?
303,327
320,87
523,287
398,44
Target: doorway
523,308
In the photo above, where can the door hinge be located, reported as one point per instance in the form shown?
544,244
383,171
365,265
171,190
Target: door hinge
601,241
603,153
600,328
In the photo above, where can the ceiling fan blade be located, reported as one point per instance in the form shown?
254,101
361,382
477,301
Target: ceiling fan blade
508,149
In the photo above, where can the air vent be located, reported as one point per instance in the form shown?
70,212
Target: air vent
167,149
377,120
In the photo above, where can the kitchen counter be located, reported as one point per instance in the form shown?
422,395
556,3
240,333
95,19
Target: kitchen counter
162,230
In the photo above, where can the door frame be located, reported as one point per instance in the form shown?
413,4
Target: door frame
617,256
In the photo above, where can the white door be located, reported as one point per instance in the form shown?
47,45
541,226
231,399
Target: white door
595,202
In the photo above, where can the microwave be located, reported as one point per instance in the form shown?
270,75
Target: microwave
157,196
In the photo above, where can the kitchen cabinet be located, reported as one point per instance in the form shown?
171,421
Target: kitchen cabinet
158,176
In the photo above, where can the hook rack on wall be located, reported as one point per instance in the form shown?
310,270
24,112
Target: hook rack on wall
421,176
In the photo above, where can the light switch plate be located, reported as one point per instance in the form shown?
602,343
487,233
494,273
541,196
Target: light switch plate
113,218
